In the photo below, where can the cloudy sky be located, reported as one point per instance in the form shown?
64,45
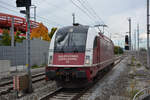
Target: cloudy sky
114,13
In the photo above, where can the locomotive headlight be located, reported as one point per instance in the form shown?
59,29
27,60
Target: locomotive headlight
50,59
87,60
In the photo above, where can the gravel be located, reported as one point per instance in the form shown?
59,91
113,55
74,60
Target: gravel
40,88
113,83
11,74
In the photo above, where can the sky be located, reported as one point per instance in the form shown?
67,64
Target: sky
113,13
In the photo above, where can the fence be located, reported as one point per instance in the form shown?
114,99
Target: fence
17,54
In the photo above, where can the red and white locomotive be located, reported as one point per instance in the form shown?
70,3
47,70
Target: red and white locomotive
77,54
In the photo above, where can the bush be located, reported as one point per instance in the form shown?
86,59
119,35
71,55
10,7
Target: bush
118,50
6,39
35,66
143,49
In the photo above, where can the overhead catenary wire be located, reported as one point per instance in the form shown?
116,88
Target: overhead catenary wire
49,20
65,11
82,10
8,9
17,12
57,7
94,11
91,11
88,11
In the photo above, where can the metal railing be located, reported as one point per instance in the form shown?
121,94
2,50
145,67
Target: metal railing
145,91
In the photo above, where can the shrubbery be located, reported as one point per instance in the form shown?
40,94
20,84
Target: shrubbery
118,50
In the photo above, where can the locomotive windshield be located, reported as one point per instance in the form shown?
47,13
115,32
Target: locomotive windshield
71,40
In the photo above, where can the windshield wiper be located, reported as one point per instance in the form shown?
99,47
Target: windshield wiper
62,50
75,48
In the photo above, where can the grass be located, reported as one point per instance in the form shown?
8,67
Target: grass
43,65
134,92
132,61
35,66
138,65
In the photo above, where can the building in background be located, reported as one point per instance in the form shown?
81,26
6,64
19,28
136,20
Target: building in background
19,23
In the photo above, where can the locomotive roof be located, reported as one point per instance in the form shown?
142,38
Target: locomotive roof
76,29
81,29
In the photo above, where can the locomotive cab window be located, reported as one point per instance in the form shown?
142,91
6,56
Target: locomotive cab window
66,41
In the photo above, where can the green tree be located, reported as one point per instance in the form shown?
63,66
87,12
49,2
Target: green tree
143,49
17,38
53,30
118,49
6,39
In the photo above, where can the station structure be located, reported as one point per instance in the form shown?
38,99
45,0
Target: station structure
19,24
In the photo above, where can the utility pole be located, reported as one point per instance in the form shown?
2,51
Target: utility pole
12,32
118,47
135,40
27,4
73,15
28,48
138,39
34,7
35,13
148,52
130,34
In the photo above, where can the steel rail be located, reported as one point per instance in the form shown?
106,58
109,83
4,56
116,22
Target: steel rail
47,96
11,87
11,82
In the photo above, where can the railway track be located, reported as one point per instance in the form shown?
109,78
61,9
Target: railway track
64,94
74,94
8,86
59,94
11,82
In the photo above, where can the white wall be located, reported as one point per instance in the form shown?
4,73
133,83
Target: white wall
4,67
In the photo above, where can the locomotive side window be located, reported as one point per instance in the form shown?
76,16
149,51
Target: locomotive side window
95,42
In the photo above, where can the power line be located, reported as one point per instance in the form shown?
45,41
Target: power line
82,10
94,11
37,16
62,19
82,4
58,7
91,11
9,9
8,4
49,20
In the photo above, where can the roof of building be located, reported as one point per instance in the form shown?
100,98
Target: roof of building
19,22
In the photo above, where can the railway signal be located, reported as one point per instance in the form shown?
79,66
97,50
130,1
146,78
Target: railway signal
23,3
27,4
126,42
138,38
23,11
130,46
